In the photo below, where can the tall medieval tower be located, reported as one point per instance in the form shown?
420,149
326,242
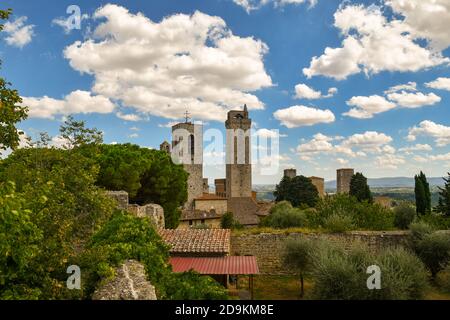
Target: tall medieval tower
238,155
187,149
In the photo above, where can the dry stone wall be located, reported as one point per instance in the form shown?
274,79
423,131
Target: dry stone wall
268,247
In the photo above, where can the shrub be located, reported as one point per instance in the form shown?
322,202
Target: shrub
128,237
338,223
228,222
434,251
404,215
364,215
341,274
283,215
444,279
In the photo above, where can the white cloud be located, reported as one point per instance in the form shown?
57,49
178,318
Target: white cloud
410,86
428,128
251,5
440,83
19,33
298,116
440,157
129,117
76,102
417,147
162,68
354,146
426,19
413,99
66,23
169,124
269,134
367,107
372,44
302,91
389,161
133,136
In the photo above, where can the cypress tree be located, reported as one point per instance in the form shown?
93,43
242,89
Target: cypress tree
444,198
359,188
422,193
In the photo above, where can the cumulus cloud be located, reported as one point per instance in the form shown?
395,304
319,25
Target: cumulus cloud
367,107
439,132
19,34
298,116
129,117
414,99
302,91
251,5
417,147
410,86
372,44
162,68
389,161
440,83
357,145
76,102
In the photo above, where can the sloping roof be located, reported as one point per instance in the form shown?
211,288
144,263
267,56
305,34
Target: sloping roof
197,240
235,265
199,215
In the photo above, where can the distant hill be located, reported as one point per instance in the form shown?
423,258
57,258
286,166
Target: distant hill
399,182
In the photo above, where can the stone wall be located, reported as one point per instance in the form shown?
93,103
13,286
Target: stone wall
154,211
268,247
129,283
121,197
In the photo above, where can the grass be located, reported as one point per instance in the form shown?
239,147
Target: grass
288,288
259,230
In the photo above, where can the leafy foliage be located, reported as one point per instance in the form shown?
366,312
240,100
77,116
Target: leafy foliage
359,188
11,110
404,215
432,247
298,256
228,222
444,198
341,274
299,191
338,222
423,194
363,215
129,237
283,215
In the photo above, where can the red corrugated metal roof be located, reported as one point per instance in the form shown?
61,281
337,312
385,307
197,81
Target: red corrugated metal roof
235,265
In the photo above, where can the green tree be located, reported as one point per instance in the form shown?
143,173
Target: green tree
444,198
299,191
404,215
422,194
359,188
11,110
227,220
283,216
76,134
298,256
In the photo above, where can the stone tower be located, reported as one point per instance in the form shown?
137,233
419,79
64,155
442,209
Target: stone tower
187,149
344,176
290,173
238,154
165,146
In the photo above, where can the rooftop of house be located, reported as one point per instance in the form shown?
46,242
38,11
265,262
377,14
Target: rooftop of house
216,241
209,196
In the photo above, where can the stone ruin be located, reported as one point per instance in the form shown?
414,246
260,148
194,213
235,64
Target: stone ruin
129,283
154,211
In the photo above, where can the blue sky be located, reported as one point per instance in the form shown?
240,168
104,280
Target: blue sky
263,51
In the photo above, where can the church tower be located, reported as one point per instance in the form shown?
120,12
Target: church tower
187,149
238,154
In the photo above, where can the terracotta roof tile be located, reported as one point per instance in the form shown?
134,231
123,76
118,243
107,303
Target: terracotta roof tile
197,240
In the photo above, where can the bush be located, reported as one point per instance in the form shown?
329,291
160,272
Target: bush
283,216
434,251
444,279
404,215
128,237
228,222
338,223
341,274
364,215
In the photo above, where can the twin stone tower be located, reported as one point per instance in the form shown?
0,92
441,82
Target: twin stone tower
187,149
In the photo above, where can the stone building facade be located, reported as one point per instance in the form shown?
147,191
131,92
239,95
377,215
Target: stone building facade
187,149
290,173
319,183
344,176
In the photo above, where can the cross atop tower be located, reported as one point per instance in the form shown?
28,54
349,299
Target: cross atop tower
187,116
